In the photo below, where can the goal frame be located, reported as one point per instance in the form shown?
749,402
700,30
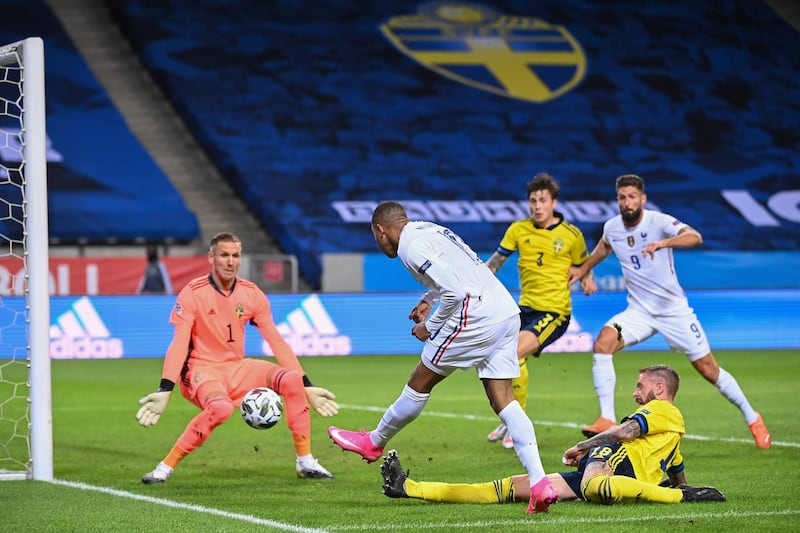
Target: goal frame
35,253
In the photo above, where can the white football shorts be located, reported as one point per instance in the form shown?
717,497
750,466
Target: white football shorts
682,332
491,349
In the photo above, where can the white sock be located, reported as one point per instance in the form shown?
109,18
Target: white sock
405,409
729,388
520,428
306,460
605,379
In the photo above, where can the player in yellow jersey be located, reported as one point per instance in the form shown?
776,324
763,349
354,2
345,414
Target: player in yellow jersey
627,463
206,358
548,247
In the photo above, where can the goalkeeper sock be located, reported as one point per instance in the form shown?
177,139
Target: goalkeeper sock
519,385
289,384
729,387
607,490
497,491
605,379
175,455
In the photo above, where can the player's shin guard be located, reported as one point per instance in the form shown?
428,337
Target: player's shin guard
289,384
216,411
608,490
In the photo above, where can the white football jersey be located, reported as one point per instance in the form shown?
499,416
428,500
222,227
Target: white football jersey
452,272
652,283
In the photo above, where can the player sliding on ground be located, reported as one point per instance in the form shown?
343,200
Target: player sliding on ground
624,464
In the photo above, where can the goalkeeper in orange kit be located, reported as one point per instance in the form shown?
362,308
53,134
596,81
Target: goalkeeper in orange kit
636,461
206,359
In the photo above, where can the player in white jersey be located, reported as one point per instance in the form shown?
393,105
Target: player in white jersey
643,241
476,324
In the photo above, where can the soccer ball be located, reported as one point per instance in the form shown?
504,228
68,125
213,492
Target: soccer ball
262,408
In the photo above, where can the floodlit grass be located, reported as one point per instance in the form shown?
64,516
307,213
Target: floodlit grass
243,479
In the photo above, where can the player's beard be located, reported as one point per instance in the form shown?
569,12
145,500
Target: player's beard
630,218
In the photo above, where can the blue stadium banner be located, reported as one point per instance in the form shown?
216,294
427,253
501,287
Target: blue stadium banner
112,327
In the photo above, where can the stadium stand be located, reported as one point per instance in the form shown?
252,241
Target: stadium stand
316,111
103,186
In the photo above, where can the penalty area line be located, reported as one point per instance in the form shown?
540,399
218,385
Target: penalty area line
189,507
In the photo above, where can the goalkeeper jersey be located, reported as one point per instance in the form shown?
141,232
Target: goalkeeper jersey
657,449
210,326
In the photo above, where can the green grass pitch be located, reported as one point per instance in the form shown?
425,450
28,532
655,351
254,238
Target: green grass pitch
244,480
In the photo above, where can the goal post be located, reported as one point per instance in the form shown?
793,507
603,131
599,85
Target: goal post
26,429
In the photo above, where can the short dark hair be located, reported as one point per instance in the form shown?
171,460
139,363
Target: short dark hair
543,182
630,180
665,373
389,213
224,236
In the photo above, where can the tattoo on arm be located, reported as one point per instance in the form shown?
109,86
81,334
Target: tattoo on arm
496,261
625,432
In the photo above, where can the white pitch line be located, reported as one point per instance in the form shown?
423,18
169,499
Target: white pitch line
190,507
538,520
487,418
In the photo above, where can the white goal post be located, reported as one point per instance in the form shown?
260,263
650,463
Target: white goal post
26,428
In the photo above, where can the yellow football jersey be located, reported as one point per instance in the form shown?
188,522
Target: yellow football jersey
545,255
658,448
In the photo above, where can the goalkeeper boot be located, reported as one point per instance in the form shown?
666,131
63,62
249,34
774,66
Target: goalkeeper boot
394,479
760,433
543,495
497,433
309,468
356,441
701,494
599,426
159,475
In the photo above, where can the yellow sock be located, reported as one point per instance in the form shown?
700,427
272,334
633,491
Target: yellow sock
497,491
607,489
520,385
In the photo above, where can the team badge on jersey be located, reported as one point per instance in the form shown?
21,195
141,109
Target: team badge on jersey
517,57
239,310
558,245
631,240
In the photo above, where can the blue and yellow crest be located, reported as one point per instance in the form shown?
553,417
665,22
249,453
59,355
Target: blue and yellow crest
239,310
517,57
558,245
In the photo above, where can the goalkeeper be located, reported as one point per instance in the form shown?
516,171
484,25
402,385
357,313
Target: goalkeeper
206,358
623,464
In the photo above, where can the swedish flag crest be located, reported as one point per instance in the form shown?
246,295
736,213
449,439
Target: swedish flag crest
517,57
239,310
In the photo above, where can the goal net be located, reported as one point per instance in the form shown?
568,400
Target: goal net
26,438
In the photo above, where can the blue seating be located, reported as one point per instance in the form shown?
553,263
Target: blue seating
315,111
103,187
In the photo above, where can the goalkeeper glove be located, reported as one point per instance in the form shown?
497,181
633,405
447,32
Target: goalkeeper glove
152,406
323,401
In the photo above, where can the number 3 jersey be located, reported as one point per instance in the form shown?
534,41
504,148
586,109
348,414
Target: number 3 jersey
652,283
